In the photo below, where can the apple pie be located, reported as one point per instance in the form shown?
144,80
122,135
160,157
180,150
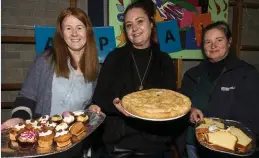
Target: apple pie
156,104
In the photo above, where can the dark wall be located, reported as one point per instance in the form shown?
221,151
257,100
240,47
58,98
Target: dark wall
95,12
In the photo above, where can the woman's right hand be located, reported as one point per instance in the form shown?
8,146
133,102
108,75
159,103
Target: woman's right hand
117,104
196,115
11,123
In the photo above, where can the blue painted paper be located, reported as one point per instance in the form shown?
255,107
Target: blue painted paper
43,37
168,36
105,40
190,39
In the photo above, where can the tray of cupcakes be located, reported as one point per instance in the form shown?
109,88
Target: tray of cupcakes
49,135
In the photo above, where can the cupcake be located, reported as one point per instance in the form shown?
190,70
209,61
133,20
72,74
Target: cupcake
77,128
27,139
77,139
56,118
79,112
83,118
62,126
43,119
50,125
45,138
63,138
38,127
16,130
30,123
68,117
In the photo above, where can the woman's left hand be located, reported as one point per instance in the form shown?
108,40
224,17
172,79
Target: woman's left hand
117,104
95,108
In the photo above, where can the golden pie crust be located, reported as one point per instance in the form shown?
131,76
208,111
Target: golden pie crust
156,104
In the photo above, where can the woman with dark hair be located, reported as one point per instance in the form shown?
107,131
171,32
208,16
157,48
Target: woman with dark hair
64,77
221,86
136,66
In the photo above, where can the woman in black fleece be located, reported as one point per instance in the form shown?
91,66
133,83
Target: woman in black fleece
221,86
139,64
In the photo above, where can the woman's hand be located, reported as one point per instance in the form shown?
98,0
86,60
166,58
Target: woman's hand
11,123
95,108
117,104
196,115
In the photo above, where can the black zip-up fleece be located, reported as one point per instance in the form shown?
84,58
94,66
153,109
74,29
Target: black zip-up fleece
235,96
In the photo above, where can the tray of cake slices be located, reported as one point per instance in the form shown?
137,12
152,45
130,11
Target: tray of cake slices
226,136
49,135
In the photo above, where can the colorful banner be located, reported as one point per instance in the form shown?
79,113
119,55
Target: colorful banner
166,10
218,10
104,37
188,17
168,36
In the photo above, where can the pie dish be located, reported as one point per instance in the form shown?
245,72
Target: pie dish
156,104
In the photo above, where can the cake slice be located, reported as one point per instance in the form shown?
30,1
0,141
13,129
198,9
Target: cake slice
203,128
243,139
222,140
214,122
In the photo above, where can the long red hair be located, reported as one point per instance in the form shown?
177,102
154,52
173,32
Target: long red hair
89,60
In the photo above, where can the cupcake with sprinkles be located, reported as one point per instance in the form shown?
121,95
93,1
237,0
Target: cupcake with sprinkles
27,139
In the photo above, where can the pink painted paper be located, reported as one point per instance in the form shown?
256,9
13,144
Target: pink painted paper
188,17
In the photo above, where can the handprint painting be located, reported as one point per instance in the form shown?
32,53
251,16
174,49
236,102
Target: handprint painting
180,10
218,10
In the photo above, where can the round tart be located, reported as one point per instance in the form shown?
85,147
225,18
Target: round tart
156,104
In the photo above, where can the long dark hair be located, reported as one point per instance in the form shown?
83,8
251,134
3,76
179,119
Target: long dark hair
149,9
